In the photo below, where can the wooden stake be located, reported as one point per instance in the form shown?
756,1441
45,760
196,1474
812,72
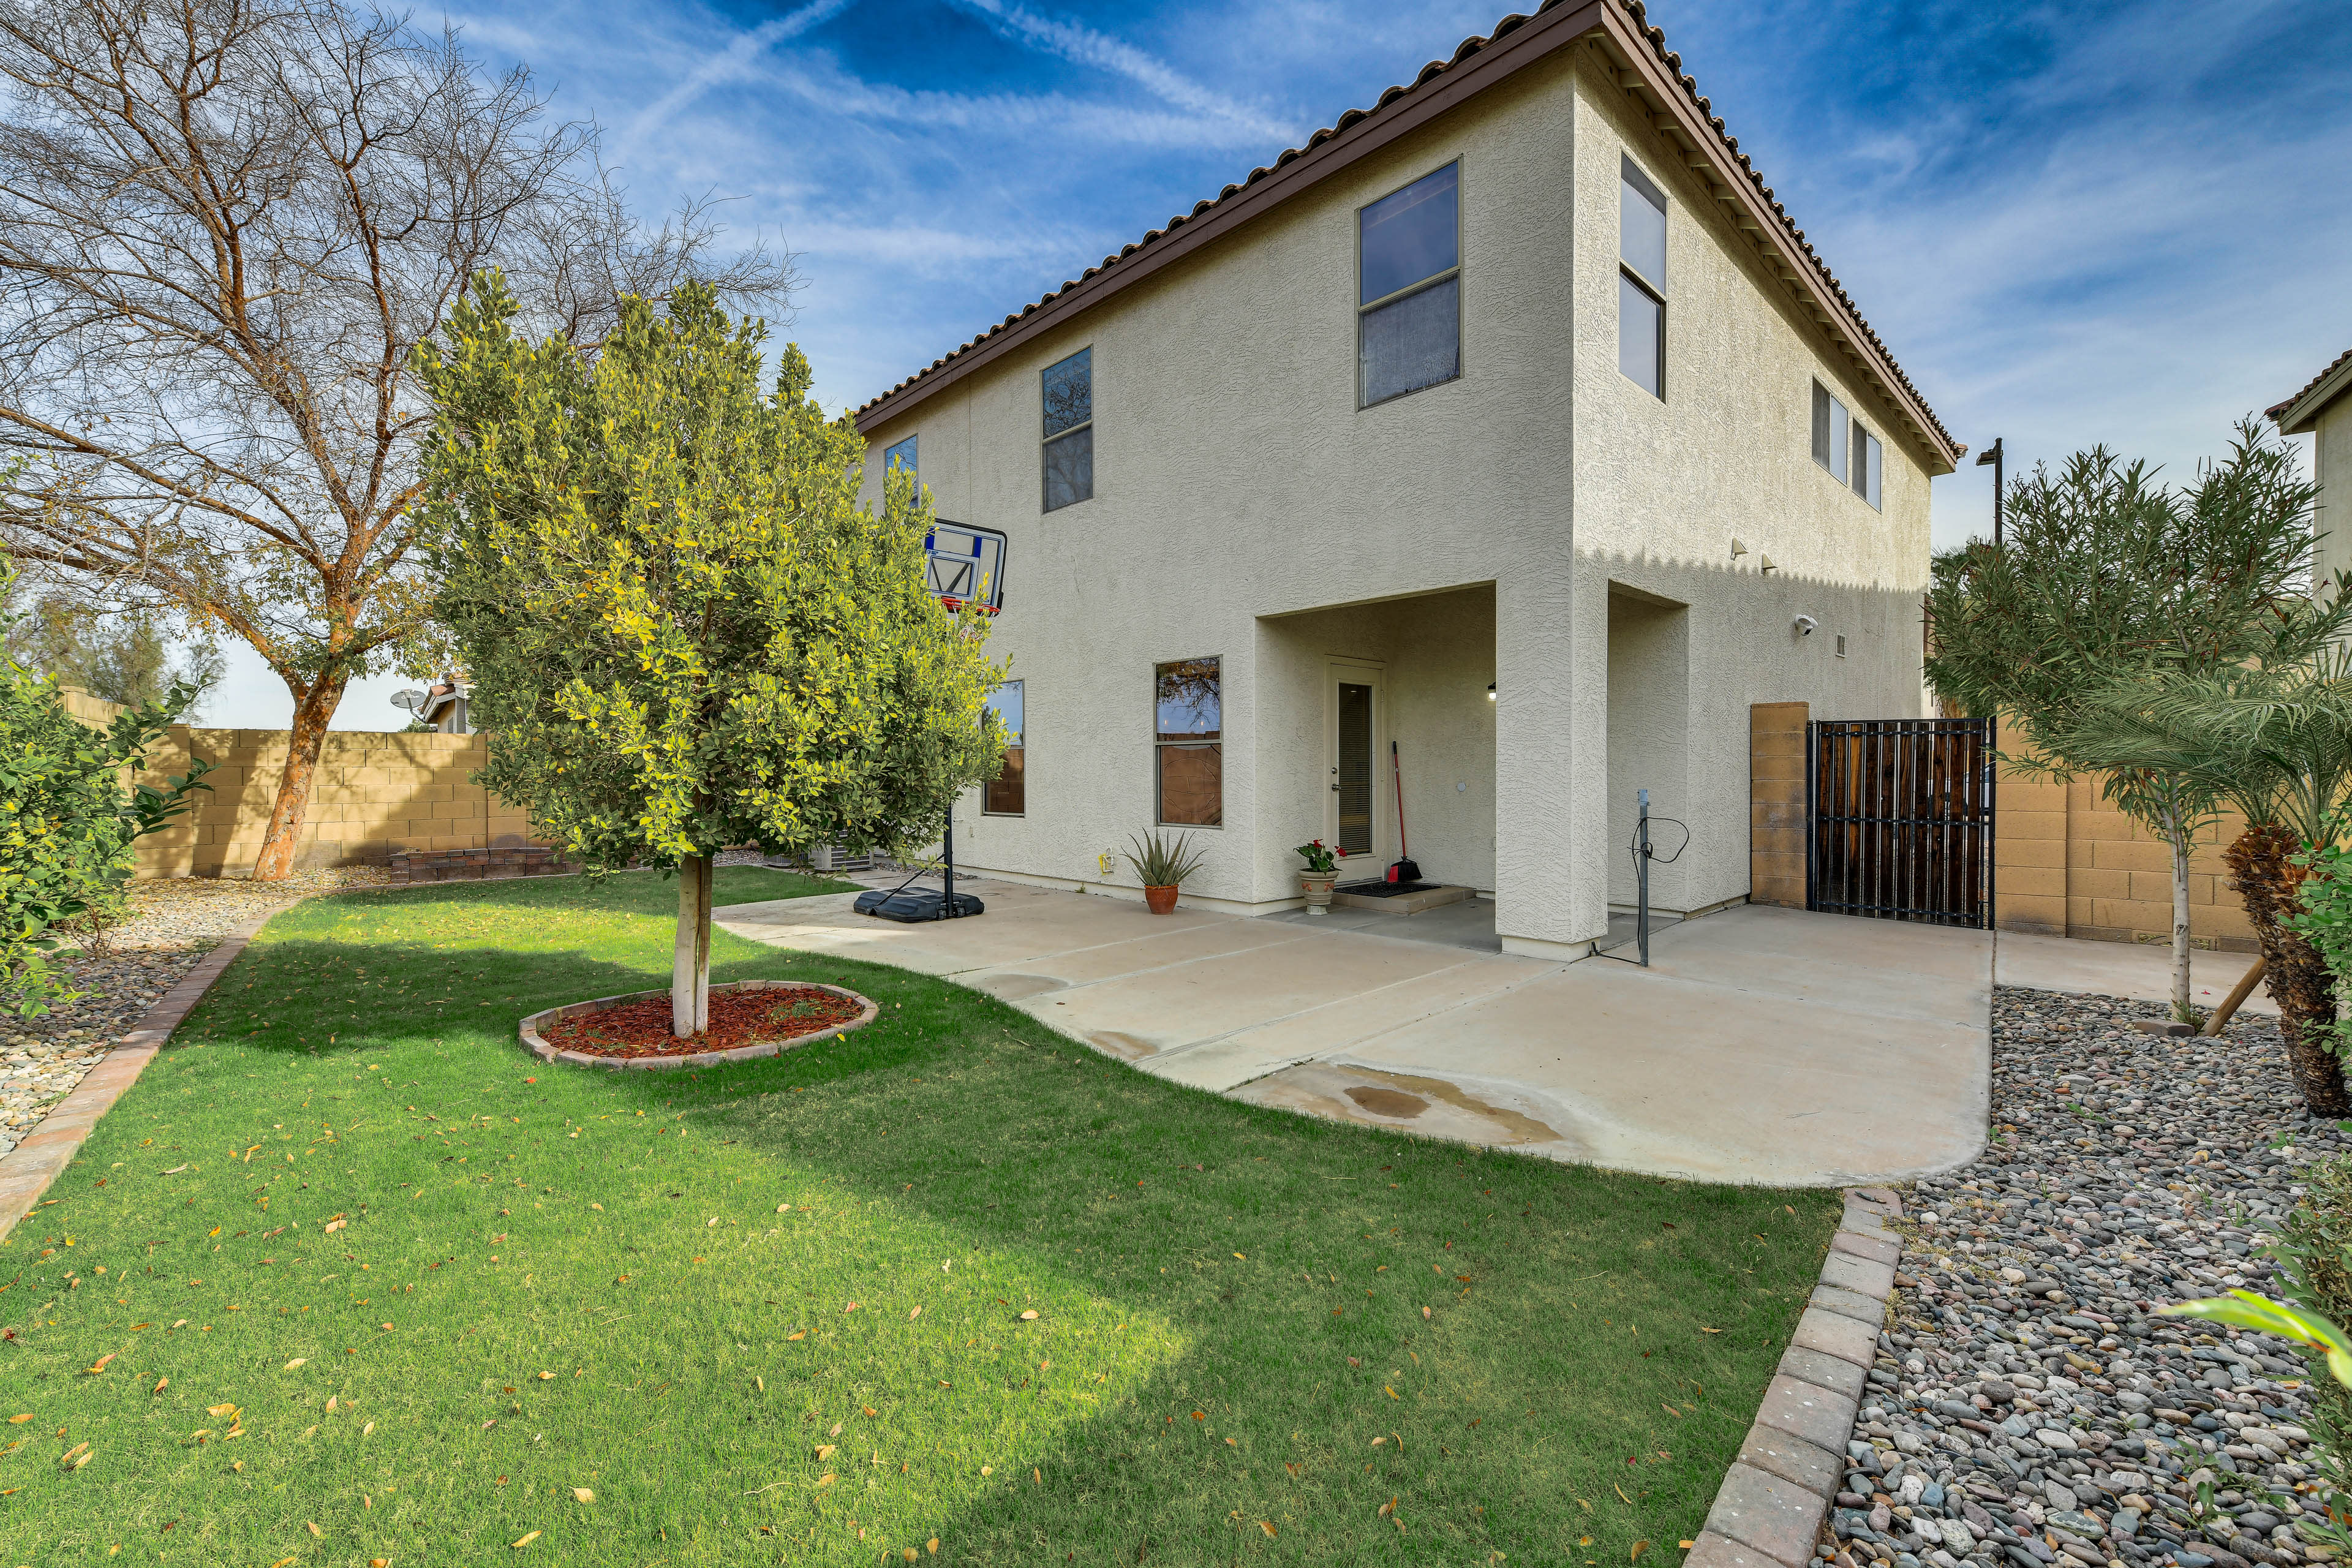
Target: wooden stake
2244,988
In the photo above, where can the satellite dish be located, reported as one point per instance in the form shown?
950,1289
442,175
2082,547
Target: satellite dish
409,700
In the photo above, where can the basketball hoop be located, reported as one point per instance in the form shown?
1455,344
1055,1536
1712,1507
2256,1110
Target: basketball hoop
964,564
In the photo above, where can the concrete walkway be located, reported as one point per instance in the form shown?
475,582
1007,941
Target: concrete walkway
2138,970
1763,1045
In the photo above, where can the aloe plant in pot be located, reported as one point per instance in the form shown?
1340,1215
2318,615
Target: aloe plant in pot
1163,864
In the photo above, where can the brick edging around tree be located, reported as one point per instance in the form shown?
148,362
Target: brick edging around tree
26,1171
1768,1512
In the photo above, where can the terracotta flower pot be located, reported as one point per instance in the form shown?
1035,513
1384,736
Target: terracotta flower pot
1160,901
1316,885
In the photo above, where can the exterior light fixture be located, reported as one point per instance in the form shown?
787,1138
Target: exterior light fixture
1992,455
1490,692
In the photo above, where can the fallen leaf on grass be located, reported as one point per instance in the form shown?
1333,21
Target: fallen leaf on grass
851,1308
1620,1492
802,1335
1386,1509
1392,1393
826,1480
1029,1316
518,1545
161,1385
19,1420
1686,1545
583,1494
913,1315
1265,1526
1710,1331
220,1409
759,1383
316,1533
109,1356
1293,1468
368,1428
824,1451
298,1361
868,1408
1639,1547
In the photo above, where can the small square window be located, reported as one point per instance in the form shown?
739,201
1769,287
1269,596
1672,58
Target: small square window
1069,431
1007,794
901,456
1188,734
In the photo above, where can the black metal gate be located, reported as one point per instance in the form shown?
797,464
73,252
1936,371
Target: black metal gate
1898,819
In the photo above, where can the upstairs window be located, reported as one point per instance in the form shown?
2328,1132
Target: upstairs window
1069,405
1844,445
901,456
1640,280
1188,738
1007,794
1409,288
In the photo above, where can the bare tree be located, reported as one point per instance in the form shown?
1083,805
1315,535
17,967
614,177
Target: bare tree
224,225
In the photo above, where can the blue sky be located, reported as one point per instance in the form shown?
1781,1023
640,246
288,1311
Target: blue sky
2073,223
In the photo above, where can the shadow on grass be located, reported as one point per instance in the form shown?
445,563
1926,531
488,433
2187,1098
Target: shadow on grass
1249,1322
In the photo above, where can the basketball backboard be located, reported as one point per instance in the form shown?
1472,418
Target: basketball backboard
966,563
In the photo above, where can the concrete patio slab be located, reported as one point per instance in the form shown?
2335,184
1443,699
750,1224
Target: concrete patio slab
1764,1045
2139,970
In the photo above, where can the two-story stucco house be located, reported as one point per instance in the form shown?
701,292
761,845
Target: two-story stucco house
1511,423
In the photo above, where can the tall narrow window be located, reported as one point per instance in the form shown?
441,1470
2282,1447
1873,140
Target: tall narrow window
1868,458
1640,280
1409,288
1069,400
1832,424
1007,794
1187,724
901,456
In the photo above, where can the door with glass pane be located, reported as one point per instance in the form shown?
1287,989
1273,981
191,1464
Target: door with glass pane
1352,817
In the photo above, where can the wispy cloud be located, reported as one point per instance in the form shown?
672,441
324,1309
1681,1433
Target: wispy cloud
1084,46
735,62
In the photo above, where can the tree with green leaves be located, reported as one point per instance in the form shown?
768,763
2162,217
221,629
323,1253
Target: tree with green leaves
2107,575
119,653
682,630
68,821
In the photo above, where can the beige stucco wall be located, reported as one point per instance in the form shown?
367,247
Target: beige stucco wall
1239,488
2331,464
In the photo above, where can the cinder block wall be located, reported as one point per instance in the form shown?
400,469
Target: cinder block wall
372,793
1776,805
2068,863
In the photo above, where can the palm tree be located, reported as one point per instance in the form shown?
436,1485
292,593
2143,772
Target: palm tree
2273,739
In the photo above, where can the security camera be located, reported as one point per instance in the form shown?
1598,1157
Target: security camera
1805,625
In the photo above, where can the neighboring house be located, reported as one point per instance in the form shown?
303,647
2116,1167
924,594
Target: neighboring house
2322,410
1511,422
442,706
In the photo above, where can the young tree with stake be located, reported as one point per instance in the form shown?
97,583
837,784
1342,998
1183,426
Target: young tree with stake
2106,576
683,631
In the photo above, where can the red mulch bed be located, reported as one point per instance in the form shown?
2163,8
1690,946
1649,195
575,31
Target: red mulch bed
641,1028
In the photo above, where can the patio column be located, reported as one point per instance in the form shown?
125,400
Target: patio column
1551,762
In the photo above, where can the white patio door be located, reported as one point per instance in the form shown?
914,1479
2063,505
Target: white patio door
1355,725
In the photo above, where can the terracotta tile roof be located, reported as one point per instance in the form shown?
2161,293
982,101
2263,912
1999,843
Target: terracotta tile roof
1435,73
2279,408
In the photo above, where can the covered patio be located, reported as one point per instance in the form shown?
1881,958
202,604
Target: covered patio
1763,1044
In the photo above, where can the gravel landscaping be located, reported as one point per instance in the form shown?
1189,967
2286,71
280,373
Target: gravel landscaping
2028,1408
174,921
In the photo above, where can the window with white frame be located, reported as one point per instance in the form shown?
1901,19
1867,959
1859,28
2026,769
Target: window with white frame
1068,395
901,456
1007,794
1640,280
1409,288
1844,445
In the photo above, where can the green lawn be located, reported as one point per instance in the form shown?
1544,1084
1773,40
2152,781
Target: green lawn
1251,1331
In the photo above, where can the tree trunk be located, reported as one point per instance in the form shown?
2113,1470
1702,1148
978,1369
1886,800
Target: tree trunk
2177,835
2265,875
312,709
689,986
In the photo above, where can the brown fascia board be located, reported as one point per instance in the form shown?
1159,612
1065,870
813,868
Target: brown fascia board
1635,55
2299,415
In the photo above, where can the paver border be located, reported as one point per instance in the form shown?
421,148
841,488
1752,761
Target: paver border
26,1171
1774,1498
538,1046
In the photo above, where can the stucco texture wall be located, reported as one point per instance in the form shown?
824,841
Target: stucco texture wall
2331,464
1245,507
374,794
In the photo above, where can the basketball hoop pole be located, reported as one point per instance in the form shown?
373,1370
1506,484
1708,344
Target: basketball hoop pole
947,910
